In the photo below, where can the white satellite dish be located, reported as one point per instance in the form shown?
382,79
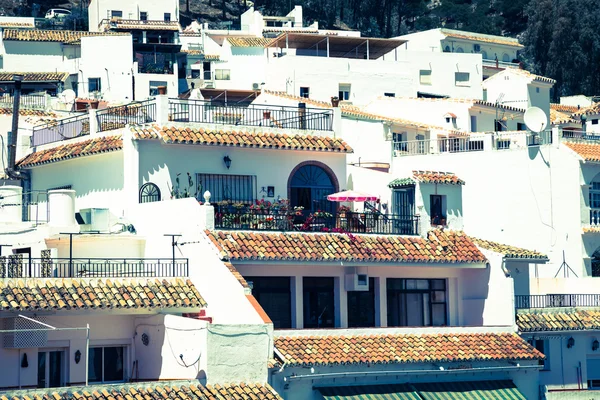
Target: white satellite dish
535,119
68,96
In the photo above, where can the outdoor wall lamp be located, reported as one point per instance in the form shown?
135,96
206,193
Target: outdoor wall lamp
77,356
570,342
227,161
595,345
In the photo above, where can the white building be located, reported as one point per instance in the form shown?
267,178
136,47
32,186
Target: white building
497,52
102,11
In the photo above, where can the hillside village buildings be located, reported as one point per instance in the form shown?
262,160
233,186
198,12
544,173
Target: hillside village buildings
287,212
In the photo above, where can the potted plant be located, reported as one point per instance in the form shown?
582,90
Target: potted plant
162,90
343,210
266,114
335,101
245,220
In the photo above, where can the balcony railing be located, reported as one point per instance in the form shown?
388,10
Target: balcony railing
129,114
557,300
154,69
499,64
62,129
350,222
16,267
484,141
580,135
263,115
27,101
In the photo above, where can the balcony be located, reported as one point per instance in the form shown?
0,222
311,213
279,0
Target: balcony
264,115
15,266
499,64
580,135
26,101
340,222
557,300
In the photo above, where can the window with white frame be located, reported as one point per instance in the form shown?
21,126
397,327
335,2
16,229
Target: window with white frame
143,16
106,364
222,74
344,91
116,14
94,85
425,77
462,79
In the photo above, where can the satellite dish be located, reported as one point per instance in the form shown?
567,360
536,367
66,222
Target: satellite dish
68,96
535,119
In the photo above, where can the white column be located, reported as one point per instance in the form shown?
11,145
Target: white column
297,302
131,170
93,118
340,298
162,109
337,122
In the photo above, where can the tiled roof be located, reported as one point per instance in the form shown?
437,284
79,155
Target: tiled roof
289,29
558,320
312,102
588,151
529,75
402,348
38,35
200,53
509,251
35,76
184,390
242,139
236,274
558,117
135,24
447,178
28,113
248,42
470,102
478,37
439,247
56,294
444,178
593,109
4,24
564,108
73,150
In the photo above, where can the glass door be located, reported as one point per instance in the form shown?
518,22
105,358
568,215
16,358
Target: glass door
50,369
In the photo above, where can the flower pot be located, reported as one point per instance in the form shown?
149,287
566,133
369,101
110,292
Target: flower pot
335,103
266,114
94,104
162,90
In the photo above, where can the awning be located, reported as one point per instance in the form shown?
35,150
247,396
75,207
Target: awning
475,390
370,392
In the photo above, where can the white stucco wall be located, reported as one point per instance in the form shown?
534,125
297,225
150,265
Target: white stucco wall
368,78
40,56
143,81
116,81
97,179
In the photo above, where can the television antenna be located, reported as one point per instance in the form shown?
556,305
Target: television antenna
565,268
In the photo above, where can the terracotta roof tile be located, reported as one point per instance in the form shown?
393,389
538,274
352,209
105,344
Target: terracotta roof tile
242,139
444,178
558,117
478,37
6,24
558,320
248,42
278,29
184,390
593,109
28,113
509,251
73,150
135,24
195,52
312,102
81,293
236,275
454,100
439,247
35,76
564,108
38,35
401,348
588,151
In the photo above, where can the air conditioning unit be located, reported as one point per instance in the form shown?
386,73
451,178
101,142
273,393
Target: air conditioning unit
356,282
256,86
93,219
209,85
476,47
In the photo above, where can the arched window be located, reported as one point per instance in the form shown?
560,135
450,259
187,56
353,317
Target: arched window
447,49
309,186
459,50
505,57
149,193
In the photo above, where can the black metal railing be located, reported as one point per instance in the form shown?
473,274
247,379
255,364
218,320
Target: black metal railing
16,267
62,129
581,135
264,115
26,101
557,300
129,114
351,222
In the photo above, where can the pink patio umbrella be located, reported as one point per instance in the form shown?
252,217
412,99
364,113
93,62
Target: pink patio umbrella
351,195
